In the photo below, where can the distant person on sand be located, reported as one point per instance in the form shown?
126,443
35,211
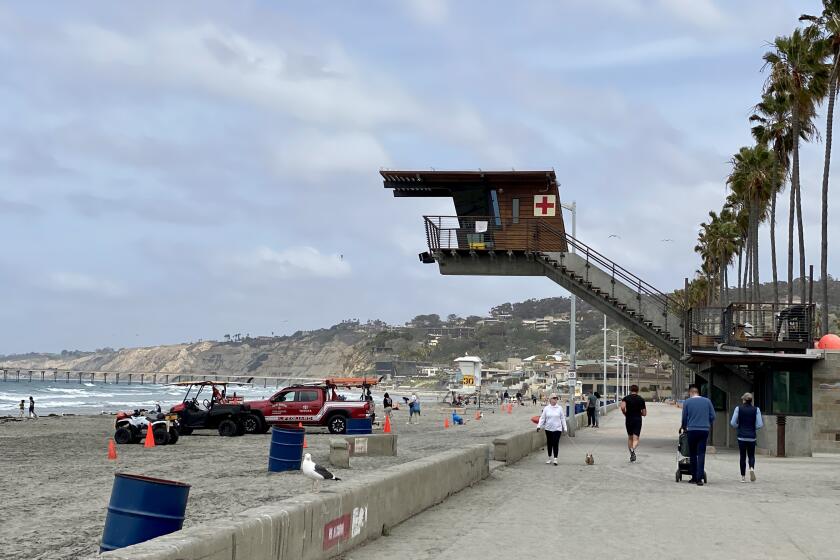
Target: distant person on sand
413,408
747,420
633,408
506,397
388,405
32,408
553,419
22,402
533,398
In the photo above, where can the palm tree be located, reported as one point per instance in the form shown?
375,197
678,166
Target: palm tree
755,175
829,24
798,73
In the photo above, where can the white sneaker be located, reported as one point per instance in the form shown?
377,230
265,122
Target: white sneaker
752,475
548,462
743,479
555,461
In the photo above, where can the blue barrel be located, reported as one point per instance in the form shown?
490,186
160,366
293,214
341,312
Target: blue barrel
359,426
142,508
286,451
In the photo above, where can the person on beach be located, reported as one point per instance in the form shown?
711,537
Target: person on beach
32,408
388,405
747,420
698,414
633,408
413,408
22,402
506,397
534,399
553,420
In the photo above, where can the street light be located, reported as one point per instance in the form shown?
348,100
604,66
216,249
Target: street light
619,358
572,349
605,329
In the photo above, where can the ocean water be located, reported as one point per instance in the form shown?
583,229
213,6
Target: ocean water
59,397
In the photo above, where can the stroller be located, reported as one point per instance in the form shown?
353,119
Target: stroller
683,462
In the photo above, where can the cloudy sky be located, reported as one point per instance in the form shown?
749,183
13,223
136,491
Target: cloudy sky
180,170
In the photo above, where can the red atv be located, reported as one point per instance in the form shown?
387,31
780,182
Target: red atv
207,407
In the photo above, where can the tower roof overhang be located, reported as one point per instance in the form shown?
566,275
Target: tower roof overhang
445,183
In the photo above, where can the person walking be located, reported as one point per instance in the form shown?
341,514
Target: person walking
633,408
534,399
698,414
22,402
388,405
413,408
553,420
32,408
591,407
747,420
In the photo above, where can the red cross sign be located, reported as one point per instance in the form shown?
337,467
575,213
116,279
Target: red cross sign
545,205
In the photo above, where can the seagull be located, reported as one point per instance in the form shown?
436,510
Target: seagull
667,240
614,235
316,472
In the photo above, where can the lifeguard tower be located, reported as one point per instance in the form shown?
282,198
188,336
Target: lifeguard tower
509,223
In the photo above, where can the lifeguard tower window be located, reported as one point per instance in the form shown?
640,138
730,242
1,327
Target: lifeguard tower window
515,210
791,393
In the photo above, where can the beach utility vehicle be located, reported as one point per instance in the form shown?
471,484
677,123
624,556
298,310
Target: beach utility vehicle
206,406
318,404
132,427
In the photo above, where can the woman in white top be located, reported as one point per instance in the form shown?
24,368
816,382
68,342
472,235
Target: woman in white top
553,420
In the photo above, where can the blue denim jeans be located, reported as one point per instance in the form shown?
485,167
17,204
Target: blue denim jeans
697,452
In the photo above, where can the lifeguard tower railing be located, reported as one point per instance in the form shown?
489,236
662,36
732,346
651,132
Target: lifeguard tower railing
534,235
752,326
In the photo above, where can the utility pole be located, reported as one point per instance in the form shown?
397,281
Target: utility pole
572,377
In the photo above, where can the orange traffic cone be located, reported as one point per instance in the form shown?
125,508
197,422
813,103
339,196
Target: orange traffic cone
300,425
445,423
150,437
112,450
510,409
387,428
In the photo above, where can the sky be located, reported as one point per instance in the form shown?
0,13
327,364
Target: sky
179,171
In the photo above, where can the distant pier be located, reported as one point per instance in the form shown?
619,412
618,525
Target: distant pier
139,378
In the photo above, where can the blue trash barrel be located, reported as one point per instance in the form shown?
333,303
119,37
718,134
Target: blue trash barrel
286,451
359,426
142,508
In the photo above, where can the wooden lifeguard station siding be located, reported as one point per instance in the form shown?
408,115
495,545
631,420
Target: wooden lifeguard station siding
488,196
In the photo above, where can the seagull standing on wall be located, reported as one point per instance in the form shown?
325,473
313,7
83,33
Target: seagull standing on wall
316,472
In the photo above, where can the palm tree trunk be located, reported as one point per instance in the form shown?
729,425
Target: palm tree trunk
747,266
740,258
773,249
794,181
798,191
829,123
756,286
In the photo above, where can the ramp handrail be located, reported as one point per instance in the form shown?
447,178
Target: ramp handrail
527,234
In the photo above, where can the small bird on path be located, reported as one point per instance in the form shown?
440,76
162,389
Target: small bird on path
316,472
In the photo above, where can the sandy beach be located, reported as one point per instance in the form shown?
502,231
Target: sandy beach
56,479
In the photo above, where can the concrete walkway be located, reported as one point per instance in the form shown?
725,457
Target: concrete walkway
616,509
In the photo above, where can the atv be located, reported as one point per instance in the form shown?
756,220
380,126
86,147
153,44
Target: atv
132,427
206,406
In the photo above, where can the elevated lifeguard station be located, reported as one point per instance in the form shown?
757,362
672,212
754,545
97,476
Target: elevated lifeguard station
510,223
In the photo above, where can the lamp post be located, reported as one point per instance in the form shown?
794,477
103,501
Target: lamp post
606,330
572,347
619,360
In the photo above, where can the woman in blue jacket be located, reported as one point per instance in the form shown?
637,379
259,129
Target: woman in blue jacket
747,420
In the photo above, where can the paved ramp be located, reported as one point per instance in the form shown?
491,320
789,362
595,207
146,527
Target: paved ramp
615,509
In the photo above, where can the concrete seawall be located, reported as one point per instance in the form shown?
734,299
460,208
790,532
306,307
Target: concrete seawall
322,526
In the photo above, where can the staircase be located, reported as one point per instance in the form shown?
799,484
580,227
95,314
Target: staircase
529,248
648,314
